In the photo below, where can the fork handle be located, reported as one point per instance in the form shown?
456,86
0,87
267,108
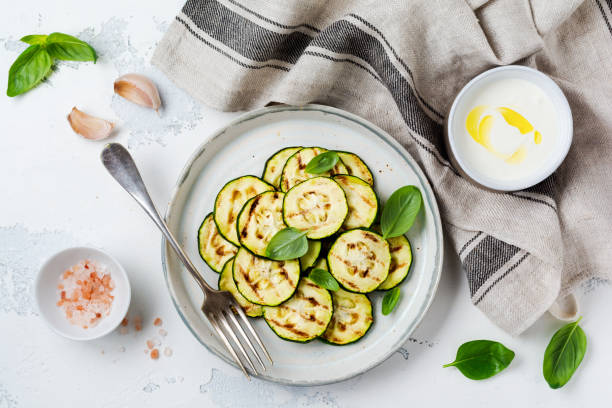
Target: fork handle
121,166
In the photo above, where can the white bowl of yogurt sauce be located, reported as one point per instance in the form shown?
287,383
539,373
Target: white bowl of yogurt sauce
509,128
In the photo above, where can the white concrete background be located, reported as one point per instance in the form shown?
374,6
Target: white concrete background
56,194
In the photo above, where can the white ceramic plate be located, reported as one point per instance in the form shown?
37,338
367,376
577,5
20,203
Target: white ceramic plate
242,148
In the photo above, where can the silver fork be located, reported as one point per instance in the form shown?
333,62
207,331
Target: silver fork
220,307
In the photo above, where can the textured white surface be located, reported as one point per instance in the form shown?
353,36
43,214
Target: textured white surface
56,194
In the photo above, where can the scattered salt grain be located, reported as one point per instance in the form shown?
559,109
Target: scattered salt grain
122,349
163,333
138,323
167,352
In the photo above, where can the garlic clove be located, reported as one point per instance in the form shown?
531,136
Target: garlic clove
138,89
566,309
89,126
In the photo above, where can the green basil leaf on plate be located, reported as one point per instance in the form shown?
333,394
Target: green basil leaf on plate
322,163
69,48
564,354
390,300
28,70
324,279
480,359
288,243
400,211
34,39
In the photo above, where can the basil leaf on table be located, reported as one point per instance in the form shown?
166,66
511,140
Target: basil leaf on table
66,47
322,163
34,39
564,354
400,211
480,359
28,70
288,243
390,300
324,279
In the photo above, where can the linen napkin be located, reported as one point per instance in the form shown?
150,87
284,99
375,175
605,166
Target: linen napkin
399,64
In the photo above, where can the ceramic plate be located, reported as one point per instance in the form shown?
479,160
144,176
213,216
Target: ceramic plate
242,148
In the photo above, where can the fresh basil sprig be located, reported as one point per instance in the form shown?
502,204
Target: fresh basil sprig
288,243
564,354
400,211
324,279
480,359
390,300
34,64
322,162
28,70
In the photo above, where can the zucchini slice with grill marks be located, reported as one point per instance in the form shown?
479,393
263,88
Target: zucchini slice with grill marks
226,282
356,167
274,165
263,281
230,200
214,249
362,201
351,320
359,260
401,259
317,205
310,257
294,171
303,317
258,221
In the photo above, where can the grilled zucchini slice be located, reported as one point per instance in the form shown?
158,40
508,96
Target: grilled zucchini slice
401,259
294,171
263,281
310,257
351,320
321,264
362,202
230,200
214,249
274,165
258,221
359,260
226,282
356,167
303,317
317,205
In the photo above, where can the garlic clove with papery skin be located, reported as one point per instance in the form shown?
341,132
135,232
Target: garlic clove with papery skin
89,126
138,89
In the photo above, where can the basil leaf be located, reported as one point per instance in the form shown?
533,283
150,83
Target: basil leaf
288,243
34,39
564,354
322,163
324,279
480,359
67,47
28,70
400,211
390,300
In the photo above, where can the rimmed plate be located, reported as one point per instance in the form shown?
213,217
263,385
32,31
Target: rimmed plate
242,148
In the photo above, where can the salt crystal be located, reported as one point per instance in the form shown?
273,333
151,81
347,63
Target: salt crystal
167,352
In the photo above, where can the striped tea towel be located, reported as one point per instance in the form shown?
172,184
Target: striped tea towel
399,63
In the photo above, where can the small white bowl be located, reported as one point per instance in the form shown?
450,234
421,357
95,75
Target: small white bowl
565,127
47,294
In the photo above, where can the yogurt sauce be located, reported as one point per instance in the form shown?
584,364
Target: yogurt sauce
509,129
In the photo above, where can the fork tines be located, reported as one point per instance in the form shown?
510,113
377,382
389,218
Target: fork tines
228,323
